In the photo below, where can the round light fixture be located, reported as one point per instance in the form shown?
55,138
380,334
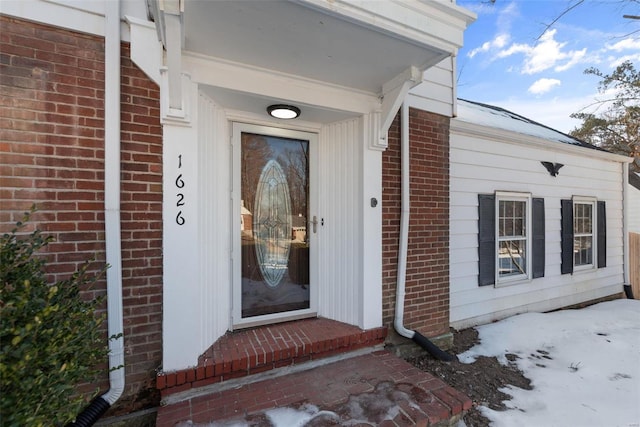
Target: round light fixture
282,111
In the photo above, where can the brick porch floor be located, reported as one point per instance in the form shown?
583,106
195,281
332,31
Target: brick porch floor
252,351
346,380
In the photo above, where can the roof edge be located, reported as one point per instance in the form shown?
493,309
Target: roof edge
579,142
515,138
634,179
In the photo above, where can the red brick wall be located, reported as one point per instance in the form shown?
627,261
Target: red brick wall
427,280
52,154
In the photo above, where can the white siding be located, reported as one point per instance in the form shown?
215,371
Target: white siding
77,15
634,209
482,165
340,238
436,92
196,252
214,222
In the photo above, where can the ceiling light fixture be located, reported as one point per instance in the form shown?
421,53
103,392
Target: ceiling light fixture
282,111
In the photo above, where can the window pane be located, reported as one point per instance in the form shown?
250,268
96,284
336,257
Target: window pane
512,221
583,234
274,207
582,218
583,250
512,259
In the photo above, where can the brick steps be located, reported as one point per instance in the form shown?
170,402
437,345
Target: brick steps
376,388
248,352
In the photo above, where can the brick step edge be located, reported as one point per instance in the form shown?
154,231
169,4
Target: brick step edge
248,364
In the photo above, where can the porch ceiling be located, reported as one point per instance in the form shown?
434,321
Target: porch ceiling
359,45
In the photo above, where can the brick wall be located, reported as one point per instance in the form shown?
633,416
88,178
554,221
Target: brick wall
52,154
427,280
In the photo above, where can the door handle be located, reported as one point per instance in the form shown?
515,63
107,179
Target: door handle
314,223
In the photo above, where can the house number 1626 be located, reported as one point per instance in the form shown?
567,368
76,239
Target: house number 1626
180,196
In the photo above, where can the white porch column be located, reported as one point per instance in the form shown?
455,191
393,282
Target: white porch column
181,326
371,215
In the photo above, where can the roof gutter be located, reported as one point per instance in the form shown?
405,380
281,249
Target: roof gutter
101,404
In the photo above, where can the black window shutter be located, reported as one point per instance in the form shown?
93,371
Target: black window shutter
566,231
537,244
486,239
602,235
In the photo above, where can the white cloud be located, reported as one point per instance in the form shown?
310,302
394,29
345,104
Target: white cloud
614,62
513,49
575,57
507,16
626,44
549,53
545,55
503,23
543,86
497,43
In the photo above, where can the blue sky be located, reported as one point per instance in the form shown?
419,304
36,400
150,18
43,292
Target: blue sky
510,61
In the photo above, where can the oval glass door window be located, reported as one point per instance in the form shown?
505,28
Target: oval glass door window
274,184
272,223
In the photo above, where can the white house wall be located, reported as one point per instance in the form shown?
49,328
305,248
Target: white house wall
634,209
341,236
78,15
436,92
482,165
197,239
214,221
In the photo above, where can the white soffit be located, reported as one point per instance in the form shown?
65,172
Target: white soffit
336,42
257,105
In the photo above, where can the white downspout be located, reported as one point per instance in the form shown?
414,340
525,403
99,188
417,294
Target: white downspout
101,404
405,210
112,200
625,229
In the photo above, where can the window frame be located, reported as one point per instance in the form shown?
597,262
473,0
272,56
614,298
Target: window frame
593,202
501,196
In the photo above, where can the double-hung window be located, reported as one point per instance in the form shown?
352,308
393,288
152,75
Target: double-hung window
583,239
510,238
584,234
513,236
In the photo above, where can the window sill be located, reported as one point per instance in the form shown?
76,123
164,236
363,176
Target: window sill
584,269
512,281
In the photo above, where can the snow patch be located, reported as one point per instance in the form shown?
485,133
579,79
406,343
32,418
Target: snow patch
583,365
502,119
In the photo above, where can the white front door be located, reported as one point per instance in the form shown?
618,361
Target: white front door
273,225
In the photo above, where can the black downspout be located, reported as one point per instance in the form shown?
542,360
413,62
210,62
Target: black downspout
91,413
433,349
628,291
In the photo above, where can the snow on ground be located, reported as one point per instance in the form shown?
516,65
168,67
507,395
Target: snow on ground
584,366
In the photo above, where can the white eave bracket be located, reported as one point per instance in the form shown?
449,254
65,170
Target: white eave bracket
169,23
393,95
175,116
146,49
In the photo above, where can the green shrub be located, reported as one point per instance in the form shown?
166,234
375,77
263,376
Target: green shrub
50,337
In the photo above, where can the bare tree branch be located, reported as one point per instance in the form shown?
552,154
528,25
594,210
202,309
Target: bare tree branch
567,10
